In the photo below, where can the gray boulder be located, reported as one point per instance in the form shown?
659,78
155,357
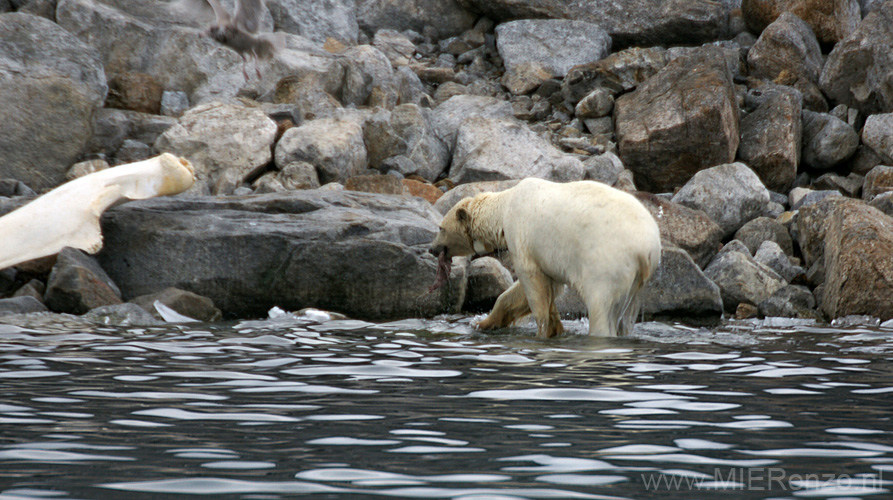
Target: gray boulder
877,135
360,254
772,256
792,301
555,45
770,140
741,279
453,196
77,284
788,44
629,22
406,131
730,194
857,72
447,16
487,279
762,229
317,20
681,120
827,141
221,138
112,127
52,85
679,290
449,115
397,47
604,168
369,79
489,149
334,145
21,305
150,38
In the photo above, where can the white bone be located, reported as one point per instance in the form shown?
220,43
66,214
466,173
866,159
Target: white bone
68,216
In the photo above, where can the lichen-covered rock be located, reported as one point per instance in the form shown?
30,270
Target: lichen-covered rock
762,229
317,20
448,16
686,228
878,181
619,72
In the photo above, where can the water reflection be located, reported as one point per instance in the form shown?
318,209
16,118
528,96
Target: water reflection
434,409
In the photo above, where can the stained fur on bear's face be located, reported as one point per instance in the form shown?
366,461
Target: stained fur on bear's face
454,238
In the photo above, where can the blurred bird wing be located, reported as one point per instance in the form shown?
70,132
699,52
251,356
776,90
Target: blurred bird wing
220,12
248,14
202,10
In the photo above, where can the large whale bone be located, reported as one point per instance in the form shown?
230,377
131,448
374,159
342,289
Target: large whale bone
68,216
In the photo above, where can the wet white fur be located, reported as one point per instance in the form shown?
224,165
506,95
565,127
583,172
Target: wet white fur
599,240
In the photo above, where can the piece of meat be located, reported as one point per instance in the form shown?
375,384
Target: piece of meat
444,266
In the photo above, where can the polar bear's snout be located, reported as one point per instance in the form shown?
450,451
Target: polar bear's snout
436,249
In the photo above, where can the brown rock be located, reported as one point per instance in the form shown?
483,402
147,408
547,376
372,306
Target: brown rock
685,228
879,180
831,20
424,190
680,121
770,140
136,92
858,262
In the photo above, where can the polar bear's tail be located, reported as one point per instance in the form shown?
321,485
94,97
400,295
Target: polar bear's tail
626,319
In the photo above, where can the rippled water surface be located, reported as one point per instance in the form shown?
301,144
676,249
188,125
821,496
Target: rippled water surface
432,409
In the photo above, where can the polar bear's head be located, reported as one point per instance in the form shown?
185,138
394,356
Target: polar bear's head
454,238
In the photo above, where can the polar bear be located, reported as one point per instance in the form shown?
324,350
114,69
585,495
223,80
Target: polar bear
599,240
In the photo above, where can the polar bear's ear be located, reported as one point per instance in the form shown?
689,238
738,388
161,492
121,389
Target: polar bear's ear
462,215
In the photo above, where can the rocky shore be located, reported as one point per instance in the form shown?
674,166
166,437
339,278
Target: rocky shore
758,132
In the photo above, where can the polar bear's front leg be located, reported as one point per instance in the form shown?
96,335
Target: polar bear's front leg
510,307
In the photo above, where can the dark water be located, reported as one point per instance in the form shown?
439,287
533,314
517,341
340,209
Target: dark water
430,409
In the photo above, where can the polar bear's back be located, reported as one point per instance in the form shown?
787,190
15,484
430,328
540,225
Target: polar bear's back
582,231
